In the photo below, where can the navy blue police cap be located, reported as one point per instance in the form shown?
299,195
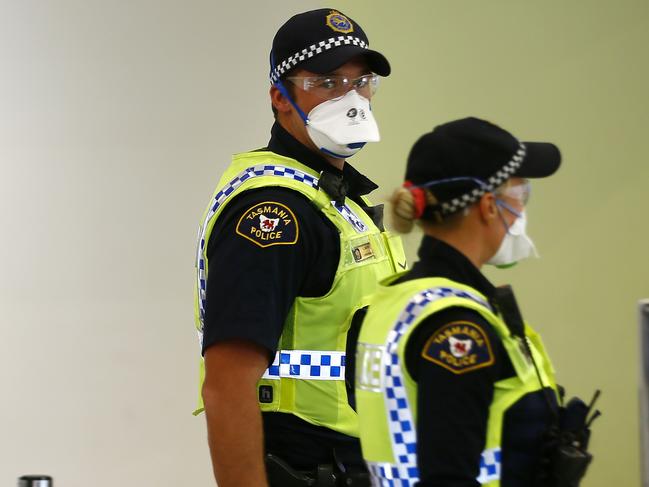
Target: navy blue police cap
321,41
462,160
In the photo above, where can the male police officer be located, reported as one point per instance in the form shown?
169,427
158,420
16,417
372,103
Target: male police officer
454,389
294,250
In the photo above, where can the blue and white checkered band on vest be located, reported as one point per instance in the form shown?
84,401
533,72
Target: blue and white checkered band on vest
222,196
307,364
403,436
351,217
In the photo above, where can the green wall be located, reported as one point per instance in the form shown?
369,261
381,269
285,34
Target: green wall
575,73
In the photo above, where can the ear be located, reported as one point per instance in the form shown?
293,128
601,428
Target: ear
487,207
279,101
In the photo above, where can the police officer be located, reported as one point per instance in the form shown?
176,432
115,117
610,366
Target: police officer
290,250
452,388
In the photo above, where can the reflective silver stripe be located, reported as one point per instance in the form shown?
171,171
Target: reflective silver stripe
307,364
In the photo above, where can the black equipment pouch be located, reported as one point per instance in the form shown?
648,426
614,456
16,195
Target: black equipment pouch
565,457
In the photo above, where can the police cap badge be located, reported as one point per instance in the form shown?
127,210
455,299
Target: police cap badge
339,23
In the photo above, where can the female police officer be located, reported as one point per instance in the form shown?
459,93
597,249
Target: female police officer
452,391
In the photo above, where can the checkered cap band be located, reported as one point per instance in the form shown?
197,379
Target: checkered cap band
307,364
506,172
224,194
313,50
401,424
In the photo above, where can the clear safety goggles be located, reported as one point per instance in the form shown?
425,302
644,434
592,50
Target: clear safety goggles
520,191
329,87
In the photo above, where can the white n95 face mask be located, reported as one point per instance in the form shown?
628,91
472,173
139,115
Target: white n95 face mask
516,245
342,126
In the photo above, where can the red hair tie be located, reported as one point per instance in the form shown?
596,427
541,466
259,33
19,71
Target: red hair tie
418,195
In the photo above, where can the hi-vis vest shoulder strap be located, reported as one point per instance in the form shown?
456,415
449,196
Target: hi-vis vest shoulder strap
307,375
224,194
387,395
401,422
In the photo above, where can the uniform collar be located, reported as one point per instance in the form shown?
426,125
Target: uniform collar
348,182
443,260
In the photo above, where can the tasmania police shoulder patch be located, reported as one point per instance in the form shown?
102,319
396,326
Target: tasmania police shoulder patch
460,347
268,223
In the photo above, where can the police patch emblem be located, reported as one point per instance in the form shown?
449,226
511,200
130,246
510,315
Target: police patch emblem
268,223
460,347
339,23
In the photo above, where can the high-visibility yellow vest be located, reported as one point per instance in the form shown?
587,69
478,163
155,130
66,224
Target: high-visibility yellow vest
386,394
307,377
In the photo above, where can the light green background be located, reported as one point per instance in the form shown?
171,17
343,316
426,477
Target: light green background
574,73
118,118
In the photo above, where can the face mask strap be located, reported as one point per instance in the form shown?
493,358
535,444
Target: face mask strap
502,204
282,89
436,182
509,208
